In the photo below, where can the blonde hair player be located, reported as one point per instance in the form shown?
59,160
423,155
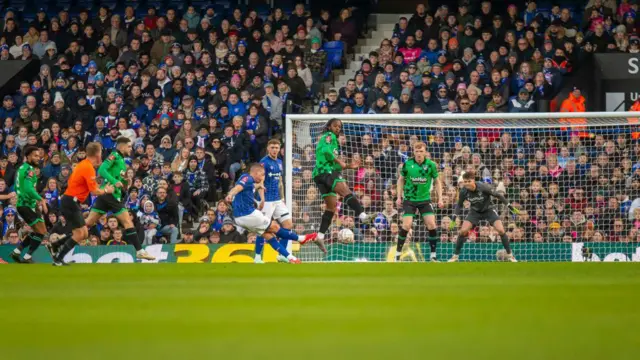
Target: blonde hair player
417,176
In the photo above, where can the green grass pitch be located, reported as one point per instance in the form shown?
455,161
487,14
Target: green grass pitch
321,311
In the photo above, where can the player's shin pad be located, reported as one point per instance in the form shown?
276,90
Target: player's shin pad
278,247
505,242
259,245
131,237
460,244
287,234
433,240
36,239
402,237
325,222
354,204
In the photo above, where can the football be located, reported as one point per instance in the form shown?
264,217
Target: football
345,236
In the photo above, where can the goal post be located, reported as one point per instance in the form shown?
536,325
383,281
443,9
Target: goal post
574,177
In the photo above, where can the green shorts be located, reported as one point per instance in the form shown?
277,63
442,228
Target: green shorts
107,203
29,215
423,208
327,183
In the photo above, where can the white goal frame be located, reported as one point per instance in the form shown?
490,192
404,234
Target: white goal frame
509,120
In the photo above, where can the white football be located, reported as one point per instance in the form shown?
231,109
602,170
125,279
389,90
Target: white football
345,236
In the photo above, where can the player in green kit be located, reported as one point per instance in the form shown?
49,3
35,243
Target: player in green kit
414,195
327,174
113,170
28,202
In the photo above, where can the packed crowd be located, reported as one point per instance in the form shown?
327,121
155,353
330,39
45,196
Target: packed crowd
466,60
200,94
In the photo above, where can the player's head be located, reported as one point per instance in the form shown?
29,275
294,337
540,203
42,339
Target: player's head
334,125
257,172
123,144
32,155
94,153
273,148
469,180
420,150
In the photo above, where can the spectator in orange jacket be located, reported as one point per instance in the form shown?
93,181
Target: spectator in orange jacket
574,103
635,106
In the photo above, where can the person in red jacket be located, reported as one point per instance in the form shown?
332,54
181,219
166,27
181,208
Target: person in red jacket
410,51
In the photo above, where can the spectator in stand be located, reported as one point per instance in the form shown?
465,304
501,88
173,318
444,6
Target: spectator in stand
167,208
344,29
575,102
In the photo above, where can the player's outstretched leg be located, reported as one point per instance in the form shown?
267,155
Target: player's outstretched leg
330,204
131,236
462,238
258,251
504,239
407,223
275,231
283,233
17,252
31,244
35,238
353,202
430,222
77,236
282,251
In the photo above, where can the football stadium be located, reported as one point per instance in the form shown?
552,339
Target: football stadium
274,179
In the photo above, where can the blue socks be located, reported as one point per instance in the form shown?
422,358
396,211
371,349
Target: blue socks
278,247
259,245
287,234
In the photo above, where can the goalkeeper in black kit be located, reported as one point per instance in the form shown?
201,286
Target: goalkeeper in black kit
479,195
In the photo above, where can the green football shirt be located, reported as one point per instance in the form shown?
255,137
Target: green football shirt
418,178
25,186
113,170
327,151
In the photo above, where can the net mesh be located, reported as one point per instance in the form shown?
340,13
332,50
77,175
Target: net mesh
575,180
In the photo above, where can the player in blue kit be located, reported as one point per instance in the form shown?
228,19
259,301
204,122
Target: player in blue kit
241,197
274,207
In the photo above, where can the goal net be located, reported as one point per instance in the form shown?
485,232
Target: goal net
576,182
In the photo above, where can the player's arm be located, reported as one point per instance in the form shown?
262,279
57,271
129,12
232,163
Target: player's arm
328,150
281,188
244,180
400,190
29,188
260,188
438,183
458,210
89,177
7,196
104,172
400,185
488,190
233,192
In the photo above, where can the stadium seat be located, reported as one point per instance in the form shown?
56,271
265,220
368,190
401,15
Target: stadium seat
18,5
176,5
335,52
111,4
